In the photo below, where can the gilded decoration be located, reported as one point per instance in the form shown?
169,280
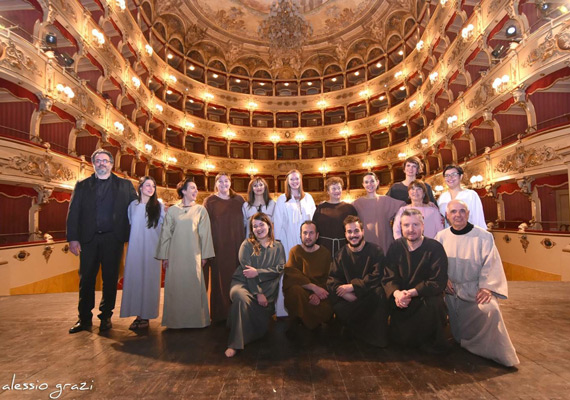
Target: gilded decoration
345,163
231,165
550,46
86,104
547,243
387,155
543,51
494,7
169,197
64,6
524,242
187,160
42,166
47,252
507,239
110,57
482,95
458,49
12,56
288,166
22,255
523,159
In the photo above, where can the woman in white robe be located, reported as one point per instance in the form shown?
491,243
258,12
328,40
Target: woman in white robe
453,174
292,209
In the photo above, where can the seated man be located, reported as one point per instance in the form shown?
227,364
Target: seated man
305,280
415,275
476,280
355,286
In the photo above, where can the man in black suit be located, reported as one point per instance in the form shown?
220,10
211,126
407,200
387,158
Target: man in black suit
97,229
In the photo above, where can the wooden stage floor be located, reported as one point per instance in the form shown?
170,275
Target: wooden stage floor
35,348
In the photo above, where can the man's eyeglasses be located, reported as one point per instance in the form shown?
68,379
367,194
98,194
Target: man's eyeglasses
451,175
104,161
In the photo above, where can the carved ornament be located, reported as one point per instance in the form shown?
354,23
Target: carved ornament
86,103
12,56
42,166
523,159
66,8
482,95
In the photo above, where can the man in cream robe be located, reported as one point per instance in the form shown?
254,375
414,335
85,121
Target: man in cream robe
476,281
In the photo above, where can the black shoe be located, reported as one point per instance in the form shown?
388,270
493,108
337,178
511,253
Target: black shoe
80,326
105,325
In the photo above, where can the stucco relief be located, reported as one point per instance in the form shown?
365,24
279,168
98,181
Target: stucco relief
12,56
86,104
66,8
42,166
481,97
523,159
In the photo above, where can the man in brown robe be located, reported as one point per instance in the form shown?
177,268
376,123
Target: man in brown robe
304,281
415,275
355,288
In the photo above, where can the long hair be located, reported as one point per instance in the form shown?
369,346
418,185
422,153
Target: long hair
251,195
288,193
232,192
421,185
253,239
152,205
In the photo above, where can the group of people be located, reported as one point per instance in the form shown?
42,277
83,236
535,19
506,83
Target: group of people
259,257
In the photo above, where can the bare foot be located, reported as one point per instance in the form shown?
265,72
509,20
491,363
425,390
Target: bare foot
230,352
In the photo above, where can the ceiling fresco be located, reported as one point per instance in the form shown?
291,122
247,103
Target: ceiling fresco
285,34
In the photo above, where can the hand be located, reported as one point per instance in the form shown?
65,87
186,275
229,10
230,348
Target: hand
350,297
204,262
250,272
165,264
449,288
344,289
320,292
262,300
74,247
402,298
314,300
484,296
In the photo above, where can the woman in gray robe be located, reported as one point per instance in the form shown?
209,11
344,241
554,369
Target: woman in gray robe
254,284
141,283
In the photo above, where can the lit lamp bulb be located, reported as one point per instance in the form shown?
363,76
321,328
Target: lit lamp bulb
148,49
452,120
136,82
119,127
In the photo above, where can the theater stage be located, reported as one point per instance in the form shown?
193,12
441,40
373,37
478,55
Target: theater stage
35,348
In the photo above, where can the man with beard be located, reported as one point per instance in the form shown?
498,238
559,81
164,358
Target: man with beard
476,280
355,288
304,282
415,275
97,229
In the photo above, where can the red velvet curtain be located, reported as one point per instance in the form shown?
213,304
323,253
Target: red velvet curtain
517,209
14,216
52,218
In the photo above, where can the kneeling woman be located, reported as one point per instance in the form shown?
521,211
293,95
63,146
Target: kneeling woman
254,284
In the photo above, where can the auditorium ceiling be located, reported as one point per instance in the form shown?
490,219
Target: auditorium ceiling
285,38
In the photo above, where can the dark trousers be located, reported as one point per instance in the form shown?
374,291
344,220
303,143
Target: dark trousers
104,250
